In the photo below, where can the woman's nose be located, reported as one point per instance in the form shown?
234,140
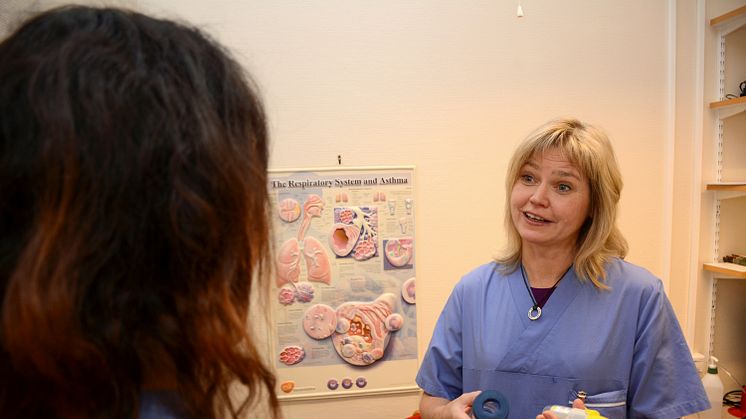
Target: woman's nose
539,197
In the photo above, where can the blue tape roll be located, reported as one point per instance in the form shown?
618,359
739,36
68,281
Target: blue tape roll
490,404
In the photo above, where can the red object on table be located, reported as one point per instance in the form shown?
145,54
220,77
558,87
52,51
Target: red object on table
739,412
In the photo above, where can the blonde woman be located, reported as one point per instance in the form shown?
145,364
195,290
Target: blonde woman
560,316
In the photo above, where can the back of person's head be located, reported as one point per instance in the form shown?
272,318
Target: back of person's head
589,149
133,217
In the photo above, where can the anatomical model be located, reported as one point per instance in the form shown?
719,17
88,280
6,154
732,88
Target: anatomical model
408,291
289,255
360,331
355,232
398,251
289,210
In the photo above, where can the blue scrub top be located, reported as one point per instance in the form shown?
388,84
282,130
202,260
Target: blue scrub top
622,346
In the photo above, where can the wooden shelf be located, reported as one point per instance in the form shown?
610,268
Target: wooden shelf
727,190
729,269
728,102
727,186
728,16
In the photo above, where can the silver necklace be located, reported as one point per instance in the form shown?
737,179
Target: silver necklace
535,311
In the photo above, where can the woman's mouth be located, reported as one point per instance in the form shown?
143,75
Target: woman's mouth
533,218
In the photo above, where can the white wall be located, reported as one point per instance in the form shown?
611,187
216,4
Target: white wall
452,86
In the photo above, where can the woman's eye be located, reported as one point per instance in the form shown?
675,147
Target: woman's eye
563,187
528,179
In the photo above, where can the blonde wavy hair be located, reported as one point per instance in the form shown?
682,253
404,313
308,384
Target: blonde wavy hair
590,150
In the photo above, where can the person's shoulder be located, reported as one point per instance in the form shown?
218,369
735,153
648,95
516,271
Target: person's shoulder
162,404
479,276
621,273
482,272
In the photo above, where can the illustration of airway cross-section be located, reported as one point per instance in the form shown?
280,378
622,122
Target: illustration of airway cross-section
360,331
355,232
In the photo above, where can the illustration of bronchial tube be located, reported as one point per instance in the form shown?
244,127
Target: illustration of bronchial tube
360,331
355,232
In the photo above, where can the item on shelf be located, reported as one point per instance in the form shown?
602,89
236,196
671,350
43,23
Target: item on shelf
742,87
735,258
714,389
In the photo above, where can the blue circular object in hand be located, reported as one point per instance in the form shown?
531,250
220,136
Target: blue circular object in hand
490,404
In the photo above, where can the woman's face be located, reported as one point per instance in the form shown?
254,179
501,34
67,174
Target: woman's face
550,201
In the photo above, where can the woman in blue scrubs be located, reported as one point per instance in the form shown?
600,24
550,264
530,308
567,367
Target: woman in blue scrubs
560,317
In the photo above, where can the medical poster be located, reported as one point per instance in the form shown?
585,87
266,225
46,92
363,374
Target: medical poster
344,281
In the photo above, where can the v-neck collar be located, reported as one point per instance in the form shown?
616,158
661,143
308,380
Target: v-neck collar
561,298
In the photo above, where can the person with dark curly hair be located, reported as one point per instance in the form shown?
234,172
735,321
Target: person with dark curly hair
134,226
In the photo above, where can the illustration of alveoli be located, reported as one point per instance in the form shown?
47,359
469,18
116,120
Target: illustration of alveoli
360,331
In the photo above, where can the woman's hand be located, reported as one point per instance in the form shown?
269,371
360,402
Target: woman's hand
461,407
577,404
438,408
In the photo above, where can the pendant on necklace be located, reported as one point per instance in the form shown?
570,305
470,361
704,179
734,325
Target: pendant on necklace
534,313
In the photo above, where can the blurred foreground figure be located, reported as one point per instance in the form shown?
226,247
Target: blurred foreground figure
133,221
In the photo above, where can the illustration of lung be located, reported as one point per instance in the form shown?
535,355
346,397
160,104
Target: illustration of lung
317,261
361,330
288,261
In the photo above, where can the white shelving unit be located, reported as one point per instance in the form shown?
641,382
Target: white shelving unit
722,214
